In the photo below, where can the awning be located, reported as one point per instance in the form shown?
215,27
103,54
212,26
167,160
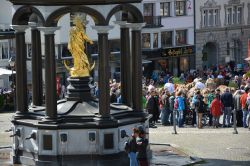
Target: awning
247,59
6,72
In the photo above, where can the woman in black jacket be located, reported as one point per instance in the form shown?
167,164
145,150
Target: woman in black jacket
142,144
153,108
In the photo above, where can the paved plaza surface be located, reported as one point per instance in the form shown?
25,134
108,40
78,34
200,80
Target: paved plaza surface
214,146
217,147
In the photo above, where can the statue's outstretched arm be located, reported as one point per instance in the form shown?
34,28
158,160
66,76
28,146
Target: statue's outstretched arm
85,37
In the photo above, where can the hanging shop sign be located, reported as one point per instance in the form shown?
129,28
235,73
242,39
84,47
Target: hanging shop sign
178,51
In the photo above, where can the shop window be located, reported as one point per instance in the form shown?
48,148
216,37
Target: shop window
146,40
166,39
181,37
148,9
184,66
165,9
180,8
155,43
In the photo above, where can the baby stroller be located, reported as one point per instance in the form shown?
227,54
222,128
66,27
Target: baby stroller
205,118
189,117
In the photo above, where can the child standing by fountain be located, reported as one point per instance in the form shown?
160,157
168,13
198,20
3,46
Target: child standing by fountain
142,144
131,147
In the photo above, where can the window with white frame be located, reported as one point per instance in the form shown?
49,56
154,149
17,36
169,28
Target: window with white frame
210,17
234,15
205,18
229,16
148,9
4,52
216,17
181,37
180,8
239,15
146,40
166,39
165,9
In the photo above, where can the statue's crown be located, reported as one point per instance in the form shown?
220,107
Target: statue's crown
77,19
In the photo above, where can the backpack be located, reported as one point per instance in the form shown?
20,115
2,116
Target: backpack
180,104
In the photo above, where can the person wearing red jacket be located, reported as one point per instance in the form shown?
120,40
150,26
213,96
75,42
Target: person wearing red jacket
243,100
216,108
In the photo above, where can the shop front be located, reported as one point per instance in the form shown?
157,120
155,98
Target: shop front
174,60
179,59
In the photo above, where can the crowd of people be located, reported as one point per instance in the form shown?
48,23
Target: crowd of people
213,94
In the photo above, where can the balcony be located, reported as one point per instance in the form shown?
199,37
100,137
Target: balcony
152,21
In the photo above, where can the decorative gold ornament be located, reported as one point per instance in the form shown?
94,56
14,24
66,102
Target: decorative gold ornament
76,46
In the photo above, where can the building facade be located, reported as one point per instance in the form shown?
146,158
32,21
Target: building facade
168,37
222,32
7,40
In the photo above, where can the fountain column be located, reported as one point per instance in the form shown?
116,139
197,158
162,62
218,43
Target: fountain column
21,71
50,73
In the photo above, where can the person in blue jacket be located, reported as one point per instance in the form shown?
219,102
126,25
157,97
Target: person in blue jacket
180,107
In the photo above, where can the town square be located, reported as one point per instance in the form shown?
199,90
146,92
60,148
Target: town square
124,82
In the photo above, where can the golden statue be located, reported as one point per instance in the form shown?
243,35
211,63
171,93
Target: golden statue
76,47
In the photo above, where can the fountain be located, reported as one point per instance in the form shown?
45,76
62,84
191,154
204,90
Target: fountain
78,130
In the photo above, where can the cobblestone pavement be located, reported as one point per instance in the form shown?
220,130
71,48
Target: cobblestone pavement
215,146
5,124
218,147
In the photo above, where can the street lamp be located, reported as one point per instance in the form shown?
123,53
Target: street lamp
12,62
